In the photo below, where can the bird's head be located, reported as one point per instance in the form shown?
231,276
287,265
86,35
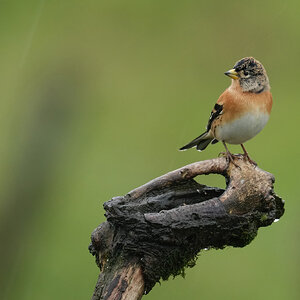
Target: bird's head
251,75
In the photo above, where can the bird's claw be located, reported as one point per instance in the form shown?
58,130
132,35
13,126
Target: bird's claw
222,154
230,159
250,160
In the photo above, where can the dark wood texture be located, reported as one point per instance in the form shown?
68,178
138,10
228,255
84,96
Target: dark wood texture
159,228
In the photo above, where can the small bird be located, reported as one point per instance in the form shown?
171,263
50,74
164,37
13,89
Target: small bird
241,111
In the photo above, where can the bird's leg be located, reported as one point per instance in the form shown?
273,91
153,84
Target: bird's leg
229,156
246,155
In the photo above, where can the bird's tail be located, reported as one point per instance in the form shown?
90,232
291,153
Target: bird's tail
200,142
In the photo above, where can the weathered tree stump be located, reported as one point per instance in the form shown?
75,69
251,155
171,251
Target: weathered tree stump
158,229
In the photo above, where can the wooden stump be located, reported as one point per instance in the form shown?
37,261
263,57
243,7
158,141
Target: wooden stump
158,229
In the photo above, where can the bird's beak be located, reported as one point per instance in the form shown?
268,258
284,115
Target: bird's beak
232,74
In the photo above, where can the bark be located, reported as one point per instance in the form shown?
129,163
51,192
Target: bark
158,229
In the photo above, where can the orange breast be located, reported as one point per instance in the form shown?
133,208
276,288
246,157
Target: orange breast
237,103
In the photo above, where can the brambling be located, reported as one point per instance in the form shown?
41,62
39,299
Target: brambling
241,111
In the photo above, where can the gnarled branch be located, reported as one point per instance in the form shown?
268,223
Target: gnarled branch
157,229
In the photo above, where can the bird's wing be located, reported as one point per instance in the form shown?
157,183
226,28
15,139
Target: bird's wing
217,111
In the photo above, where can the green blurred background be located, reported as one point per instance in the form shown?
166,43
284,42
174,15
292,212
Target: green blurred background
96,98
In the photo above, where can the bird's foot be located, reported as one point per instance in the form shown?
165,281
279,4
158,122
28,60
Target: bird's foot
229,157
222,154
247,157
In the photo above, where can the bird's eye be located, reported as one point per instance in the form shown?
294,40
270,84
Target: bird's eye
246,73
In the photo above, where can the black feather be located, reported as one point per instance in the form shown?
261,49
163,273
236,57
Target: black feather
194,142
214,114
203,144
202,141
